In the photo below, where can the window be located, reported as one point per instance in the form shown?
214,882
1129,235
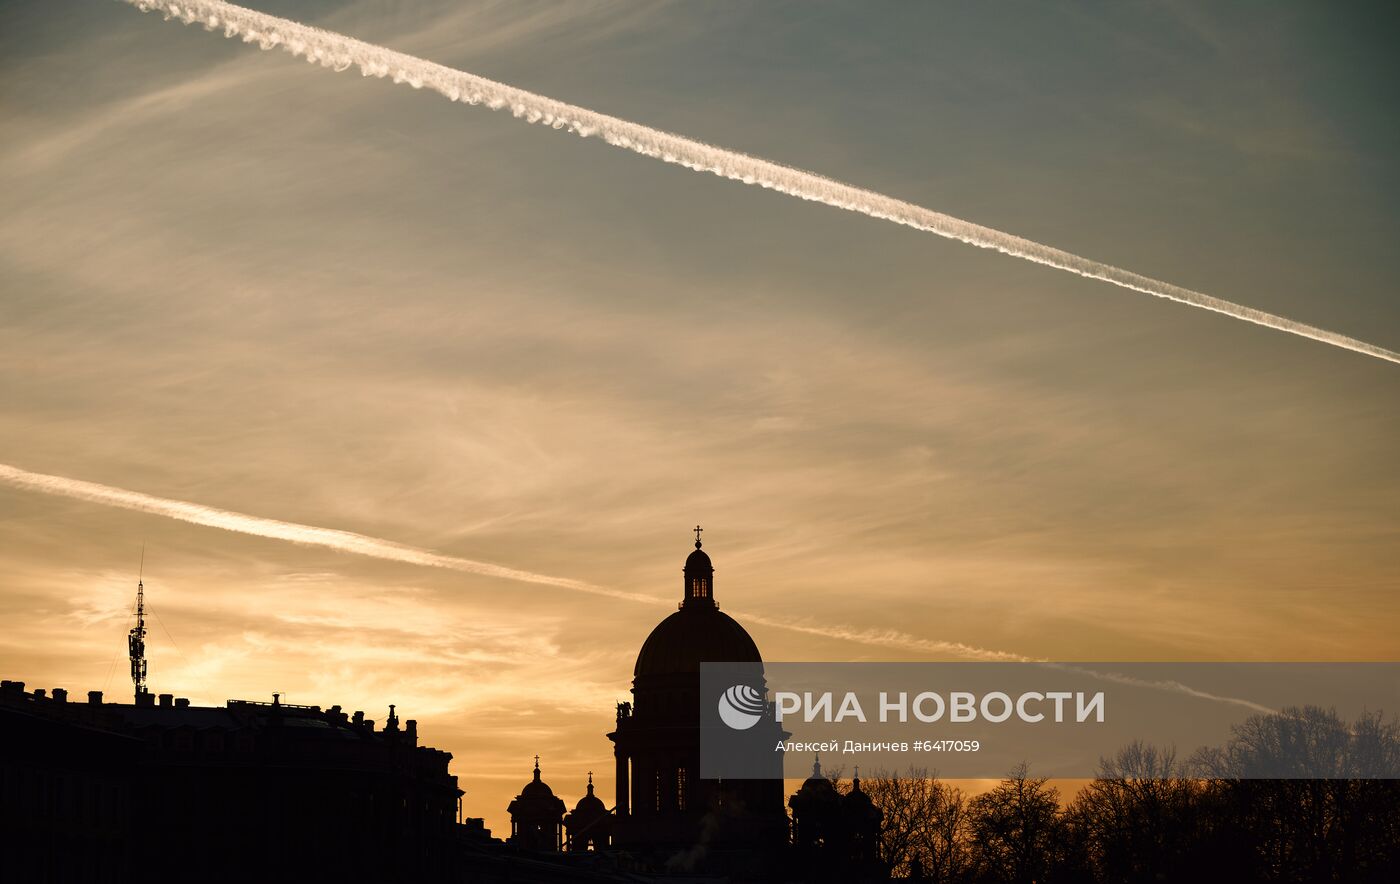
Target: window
680,788
699,587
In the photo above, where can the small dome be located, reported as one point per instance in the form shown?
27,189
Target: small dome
698,561
857,797
590,803
691,636
536,788
817,799
859,804
817,783
536,805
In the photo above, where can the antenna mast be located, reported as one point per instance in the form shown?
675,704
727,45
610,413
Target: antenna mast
136,639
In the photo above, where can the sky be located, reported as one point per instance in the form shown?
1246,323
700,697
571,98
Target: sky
231,278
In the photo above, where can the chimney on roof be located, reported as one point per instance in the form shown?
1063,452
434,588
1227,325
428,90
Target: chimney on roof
182,703
145,698
410,731
17,686
60,695
166,700
359,718
95,698
39,693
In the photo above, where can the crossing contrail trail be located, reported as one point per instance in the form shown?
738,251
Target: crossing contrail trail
340,52
374,547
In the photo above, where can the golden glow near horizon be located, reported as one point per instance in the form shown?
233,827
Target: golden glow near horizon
236,281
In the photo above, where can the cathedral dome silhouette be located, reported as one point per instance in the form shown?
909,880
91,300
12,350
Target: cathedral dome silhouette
697,633
665,808
692,635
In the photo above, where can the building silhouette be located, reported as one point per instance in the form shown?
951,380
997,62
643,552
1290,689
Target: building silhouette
159,789
164,790
666,813
537,816
589,826
835,837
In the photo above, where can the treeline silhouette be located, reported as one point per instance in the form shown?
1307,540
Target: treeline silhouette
1148,817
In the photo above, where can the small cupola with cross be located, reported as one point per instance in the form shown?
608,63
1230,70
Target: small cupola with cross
699,578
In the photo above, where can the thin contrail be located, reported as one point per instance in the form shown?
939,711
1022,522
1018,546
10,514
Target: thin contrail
292,532
378,548
340,52
891,638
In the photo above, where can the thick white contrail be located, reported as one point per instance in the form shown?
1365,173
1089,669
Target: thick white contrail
374,547
341,53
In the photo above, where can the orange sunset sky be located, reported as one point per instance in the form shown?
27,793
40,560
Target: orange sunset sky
229,278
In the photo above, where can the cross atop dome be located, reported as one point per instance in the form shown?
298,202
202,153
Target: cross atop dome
698,529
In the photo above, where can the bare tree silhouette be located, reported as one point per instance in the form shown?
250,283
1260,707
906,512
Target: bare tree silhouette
1149,817
1139,819
924,830
1330,826
1016,830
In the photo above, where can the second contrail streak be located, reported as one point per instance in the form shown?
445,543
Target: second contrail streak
374,547
341,52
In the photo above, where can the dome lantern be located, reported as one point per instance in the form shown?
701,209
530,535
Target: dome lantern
698,632
699,590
